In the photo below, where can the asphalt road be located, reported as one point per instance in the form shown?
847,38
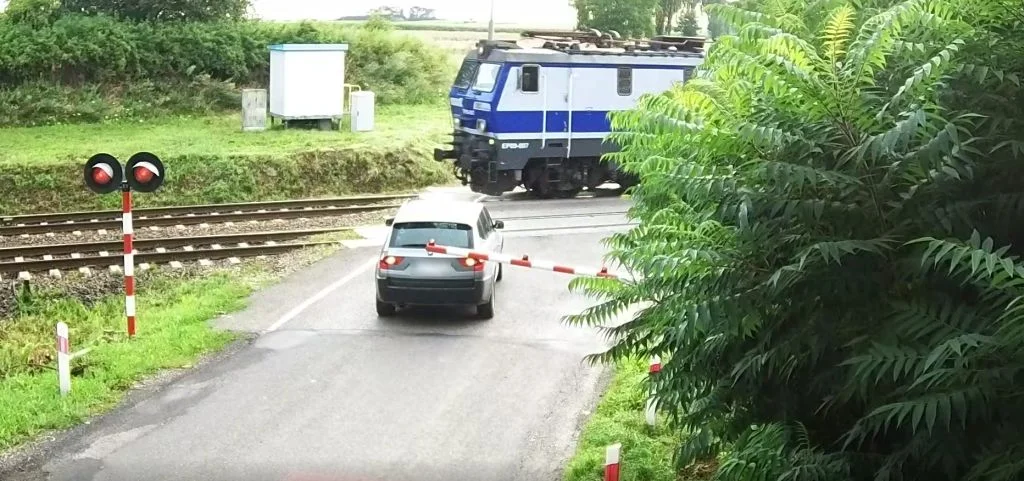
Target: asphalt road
329,391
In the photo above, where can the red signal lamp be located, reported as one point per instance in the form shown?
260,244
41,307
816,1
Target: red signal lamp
103,174
147,172
143,174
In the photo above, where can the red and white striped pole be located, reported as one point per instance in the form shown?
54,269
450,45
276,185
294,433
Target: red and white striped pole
63,359
611,462
521,262
653,370
129,257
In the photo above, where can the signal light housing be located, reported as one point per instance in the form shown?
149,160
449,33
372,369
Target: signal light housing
145,172
103,174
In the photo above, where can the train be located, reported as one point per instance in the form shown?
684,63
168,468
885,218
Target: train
533,113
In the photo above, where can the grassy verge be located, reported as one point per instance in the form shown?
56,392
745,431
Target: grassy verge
646,453
174,306
209,159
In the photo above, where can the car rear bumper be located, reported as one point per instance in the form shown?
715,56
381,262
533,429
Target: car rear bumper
431,292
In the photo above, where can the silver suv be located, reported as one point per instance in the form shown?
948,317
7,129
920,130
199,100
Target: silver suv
408,274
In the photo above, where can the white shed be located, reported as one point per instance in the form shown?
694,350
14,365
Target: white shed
307,81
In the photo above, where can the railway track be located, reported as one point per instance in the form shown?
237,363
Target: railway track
198,214
24,260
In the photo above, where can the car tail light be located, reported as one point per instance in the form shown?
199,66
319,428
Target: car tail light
388,262
476,264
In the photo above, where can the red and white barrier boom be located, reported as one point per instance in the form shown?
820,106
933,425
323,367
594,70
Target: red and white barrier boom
521,262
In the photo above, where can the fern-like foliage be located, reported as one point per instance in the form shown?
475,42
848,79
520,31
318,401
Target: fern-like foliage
830,243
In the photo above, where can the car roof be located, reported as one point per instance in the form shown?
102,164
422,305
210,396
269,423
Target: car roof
439,210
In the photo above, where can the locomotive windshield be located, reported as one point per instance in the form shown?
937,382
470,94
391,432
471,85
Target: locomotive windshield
467,73
487,77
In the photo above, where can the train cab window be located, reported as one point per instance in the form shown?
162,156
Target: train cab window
625,81
486,77
529,79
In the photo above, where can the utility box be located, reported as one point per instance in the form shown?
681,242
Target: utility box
307,81
254,110
362,105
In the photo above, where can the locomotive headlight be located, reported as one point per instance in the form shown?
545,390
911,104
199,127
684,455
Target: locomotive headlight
456,121
481,125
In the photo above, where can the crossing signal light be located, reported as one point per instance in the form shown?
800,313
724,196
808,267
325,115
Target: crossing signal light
145,172
103,174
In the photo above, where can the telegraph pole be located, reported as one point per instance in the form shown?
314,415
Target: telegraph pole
490,24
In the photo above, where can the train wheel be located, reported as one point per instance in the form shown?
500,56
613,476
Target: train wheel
567,193
539,186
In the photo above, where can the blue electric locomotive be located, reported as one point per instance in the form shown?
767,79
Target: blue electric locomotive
537,116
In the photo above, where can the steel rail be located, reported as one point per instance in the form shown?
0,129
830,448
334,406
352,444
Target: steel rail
85,216
154,257
11,230
168,242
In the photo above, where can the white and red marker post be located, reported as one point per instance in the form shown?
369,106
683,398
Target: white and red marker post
651,411
611,462
523,261
63,359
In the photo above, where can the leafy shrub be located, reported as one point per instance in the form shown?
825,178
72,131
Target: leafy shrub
35,13
379,22
43,103
101,54
162,10
829,253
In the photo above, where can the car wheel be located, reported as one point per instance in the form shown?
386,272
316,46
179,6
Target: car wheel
384,309
501,272
486,311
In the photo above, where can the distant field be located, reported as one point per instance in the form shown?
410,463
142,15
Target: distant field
456,42
442,25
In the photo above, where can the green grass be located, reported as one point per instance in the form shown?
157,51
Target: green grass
216,136
210,160
646,453
172,333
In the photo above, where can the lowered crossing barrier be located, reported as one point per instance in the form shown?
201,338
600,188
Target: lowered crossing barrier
524,261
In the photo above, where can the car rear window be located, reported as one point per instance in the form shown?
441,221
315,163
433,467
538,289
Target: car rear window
418,234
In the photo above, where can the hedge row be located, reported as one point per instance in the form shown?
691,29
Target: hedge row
203,179
110,56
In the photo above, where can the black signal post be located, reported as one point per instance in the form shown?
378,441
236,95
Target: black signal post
144,172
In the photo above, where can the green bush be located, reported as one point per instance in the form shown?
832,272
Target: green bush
162,10
66,69
44,103
36,13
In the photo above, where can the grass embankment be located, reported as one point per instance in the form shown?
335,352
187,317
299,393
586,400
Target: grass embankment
173,331
646,453
209,159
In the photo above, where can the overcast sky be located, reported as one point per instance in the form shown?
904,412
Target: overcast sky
531,12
